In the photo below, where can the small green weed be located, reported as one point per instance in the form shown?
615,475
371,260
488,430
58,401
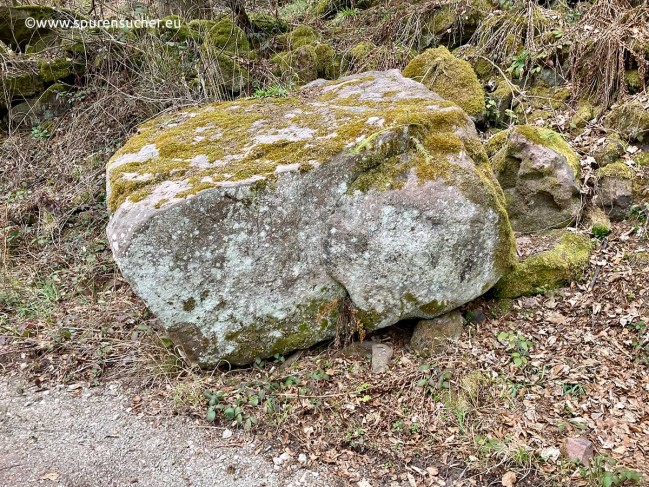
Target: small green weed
273,91
40,133
517,344
572,389
434,381
602,471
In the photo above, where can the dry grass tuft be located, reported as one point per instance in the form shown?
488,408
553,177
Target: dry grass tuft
611,38
507,33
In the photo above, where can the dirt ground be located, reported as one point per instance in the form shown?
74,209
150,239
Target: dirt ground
79,437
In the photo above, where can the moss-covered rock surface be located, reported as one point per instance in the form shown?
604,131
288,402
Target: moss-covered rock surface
630,119
450,77
563,263
246,226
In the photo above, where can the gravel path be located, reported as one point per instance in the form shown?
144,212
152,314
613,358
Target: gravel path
87,438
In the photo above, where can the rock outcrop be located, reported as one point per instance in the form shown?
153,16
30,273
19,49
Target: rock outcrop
253,227
539,173
34,62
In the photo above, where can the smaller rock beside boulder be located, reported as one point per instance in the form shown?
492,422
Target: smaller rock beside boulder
630,119
598,222
51,103
451,78
578,450
304,58
539,174
381,355
563,262
610,151
614,191
431,336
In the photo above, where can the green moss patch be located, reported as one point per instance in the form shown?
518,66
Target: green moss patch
630,120
552,140
617,170
563,263
451,78
226,37
302,35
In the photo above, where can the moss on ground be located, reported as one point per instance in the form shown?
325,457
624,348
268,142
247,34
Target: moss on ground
598,221
642,159
451,78
548,270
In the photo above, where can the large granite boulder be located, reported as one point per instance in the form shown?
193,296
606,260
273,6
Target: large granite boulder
256,227
539,173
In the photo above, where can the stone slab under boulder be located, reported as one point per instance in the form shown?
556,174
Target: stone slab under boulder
432,336
539,173
251,227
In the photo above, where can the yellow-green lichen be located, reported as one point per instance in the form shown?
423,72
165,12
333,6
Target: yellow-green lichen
617,170
451,78
548,270
203,148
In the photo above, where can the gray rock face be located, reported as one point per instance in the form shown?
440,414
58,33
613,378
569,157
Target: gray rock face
538,171
614,190
257,227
